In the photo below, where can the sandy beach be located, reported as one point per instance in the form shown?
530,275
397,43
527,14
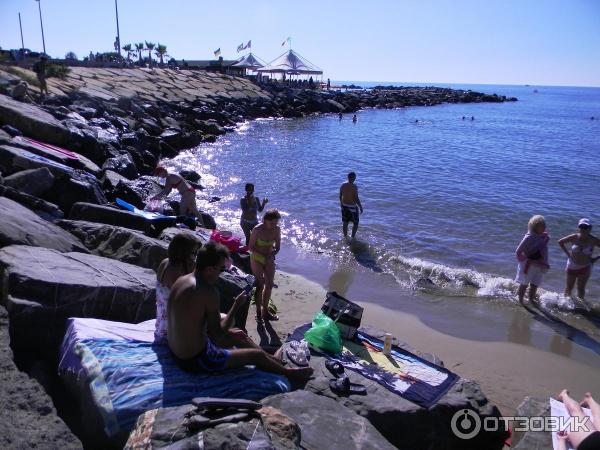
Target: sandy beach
506,371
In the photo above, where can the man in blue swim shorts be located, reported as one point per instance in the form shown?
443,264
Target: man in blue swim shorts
194,323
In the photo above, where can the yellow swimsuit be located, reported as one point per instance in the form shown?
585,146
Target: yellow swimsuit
259,258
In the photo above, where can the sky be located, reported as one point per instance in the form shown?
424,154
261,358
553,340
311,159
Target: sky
545,42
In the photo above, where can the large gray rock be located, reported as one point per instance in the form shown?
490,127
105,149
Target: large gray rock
118,243
327,425
123,165
27,417
166,428
405,424
32,121
533,440
33,181
109,215
42,208
41,288
20,226
76,161
70,185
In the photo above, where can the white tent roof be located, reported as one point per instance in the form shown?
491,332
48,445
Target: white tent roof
292,63
249,62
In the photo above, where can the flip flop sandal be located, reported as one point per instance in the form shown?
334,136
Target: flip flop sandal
336,369
343,387
259,319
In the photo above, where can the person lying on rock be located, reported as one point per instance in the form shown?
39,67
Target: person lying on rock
195,325
187,205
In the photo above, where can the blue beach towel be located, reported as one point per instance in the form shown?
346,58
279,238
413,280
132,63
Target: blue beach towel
127,374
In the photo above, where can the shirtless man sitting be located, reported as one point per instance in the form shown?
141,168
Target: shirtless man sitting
187,205
350,204
194,323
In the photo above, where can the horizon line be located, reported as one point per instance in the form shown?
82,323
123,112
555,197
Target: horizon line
432,83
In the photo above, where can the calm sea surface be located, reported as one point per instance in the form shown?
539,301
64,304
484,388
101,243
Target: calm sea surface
445,198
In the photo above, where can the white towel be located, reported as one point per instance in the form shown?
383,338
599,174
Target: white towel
558,409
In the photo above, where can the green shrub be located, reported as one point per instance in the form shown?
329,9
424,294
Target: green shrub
57,71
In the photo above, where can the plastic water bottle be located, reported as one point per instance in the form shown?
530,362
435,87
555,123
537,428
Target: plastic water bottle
387,344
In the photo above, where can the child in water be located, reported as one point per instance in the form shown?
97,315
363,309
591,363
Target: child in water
532,254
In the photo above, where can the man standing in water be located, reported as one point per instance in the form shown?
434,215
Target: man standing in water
350,204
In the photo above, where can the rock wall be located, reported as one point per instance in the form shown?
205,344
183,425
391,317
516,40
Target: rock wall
27,417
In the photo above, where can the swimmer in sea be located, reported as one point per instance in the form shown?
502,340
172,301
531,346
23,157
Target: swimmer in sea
350,204
579,257
354,118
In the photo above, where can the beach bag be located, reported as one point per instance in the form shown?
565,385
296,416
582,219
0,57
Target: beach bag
345,313
233,243
324,334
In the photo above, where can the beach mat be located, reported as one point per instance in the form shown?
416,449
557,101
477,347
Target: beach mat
402,372
140,212
117,373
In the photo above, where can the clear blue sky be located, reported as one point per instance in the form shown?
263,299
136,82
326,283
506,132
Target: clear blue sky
470,41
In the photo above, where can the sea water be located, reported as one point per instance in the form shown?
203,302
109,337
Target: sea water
446,199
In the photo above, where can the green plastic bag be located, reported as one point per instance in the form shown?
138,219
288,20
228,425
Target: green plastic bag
324,334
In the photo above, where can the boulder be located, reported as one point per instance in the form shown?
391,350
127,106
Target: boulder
42,208
118,243
137,191
33,181
60,155
190,175
318,416
110,216
27,417
70,185
32,121
21,226
533,440
229,287
405,424
41,288
168,428
123,165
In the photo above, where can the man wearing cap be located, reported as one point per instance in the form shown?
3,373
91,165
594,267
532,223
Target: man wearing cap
579,257
187,205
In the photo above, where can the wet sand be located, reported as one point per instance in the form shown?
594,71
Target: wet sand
511,351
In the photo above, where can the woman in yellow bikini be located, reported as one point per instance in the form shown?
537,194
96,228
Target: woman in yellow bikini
265,242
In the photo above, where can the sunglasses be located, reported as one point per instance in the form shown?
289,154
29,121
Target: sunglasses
585,227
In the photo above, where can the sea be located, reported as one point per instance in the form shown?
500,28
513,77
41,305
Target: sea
447,190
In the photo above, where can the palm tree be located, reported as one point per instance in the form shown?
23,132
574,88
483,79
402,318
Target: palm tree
161,52
139,47
128,49
150,46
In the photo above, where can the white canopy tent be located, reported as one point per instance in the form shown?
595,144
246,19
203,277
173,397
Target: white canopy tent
249,62
291,63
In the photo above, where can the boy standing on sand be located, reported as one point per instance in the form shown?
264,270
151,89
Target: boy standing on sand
194,323
350,204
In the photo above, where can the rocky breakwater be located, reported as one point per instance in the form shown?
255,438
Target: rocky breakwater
66,251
